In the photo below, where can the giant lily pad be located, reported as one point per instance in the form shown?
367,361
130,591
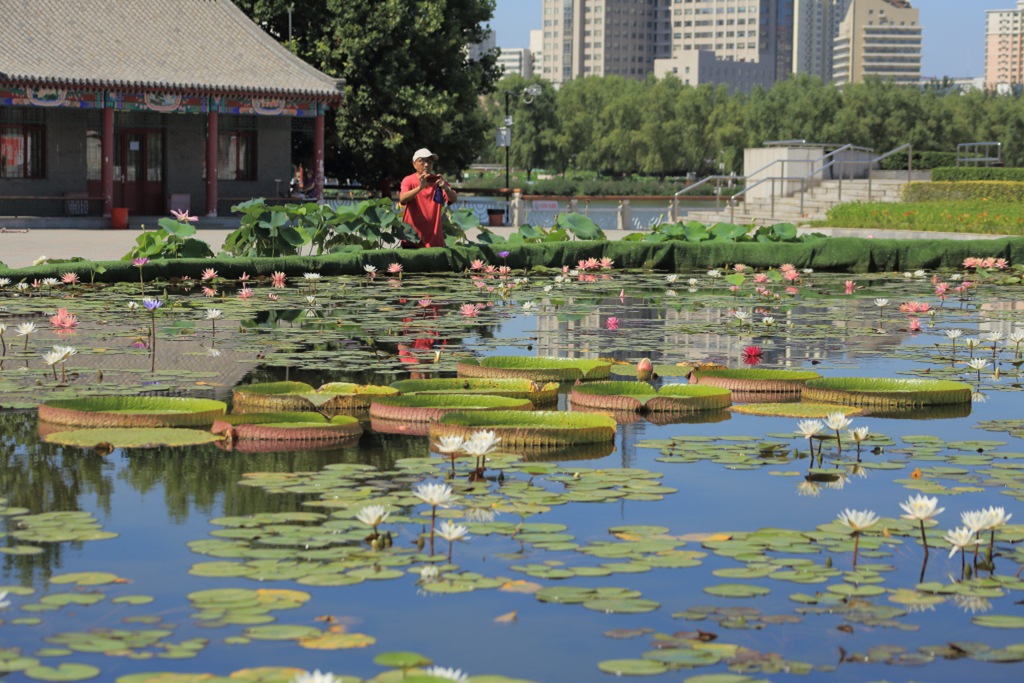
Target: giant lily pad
519,429
296,428
132,411
329,399
132,437
755,380
537,369
538,395
642,397
887,392
430,407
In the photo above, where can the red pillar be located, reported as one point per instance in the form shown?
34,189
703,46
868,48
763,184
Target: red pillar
318,156
211,164
107,162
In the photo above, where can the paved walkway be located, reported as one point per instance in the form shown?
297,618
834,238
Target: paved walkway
20,247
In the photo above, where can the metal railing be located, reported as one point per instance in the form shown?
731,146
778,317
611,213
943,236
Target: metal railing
827,162
979,154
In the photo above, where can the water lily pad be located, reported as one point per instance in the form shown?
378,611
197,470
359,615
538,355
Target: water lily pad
998,621
132,437
632,667
736,590
63,672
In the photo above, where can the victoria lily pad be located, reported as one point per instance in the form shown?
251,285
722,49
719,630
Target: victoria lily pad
430,407
132,437
520,429
887,392
537,394
755,380
642,397
132,411
537,369
292,427
330,398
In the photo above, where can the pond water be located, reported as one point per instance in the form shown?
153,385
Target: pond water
698,547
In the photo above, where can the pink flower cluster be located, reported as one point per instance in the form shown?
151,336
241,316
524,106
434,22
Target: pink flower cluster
63,320
595,264
988,262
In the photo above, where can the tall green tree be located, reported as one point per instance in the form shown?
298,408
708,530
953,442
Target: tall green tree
534,122
409,83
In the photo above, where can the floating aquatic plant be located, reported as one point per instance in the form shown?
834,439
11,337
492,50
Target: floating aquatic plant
884,392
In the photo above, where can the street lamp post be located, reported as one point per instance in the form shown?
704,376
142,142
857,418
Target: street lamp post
505,138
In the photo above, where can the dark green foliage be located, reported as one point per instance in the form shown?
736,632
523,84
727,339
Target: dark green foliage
172,240
997,191
962,173
922,161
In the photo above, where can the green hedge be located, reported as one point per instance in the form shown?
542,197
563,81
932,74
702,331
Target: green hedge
936,191
963,173
576,187
922,161
832,254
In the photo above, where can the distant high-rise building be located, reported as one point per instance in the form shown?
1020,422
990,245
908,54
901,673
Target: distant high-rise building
815,28
746,43
878,38
1004,48
477,50
603,38
515,60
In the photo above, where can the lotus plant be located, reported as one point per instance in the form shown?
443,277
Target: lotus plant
837,421
859,521
139,263
921,508
451,532
212,314
450,446
434,495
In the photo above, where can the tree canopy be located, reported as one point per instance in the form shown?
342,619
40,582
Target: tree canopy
409,83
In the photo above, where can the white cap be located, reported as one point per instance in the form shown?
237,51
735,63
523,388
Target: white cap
424,153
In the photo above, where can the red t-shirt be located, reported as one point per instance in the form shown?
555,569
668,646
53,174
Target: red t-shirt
423,213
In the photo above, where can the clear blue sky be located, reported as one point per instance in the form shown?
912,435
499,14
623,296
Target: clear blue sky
954,31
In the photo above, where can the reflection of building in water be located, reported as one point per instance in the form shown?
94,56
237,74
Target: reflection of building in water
1009,317
714,334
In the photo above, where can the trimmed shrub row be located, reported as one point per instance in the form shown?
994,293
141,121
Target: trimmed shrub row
940,191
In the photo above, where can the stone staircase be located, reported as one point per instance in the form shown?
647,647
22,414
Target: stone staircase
816,203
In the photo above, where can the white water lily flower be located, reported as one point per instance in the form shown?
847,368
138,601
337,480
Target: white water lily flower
311,276
213,313
450,531
994,337
315,677
446,673
809,428
52,357
429,573
372,515
742,316
977,363
714,274
859,434
4,602
837,421
881,303
25,329
4,281
370,269
919,273
434,494
50,281
3,328
481,443
670,292
808,488
954,334
995,517
671,277
920,507
972,342
480,515
528,306
21,286
960,538
133,306
1016,337
39,261
975,520
213,353
858,520
807,271
768,320
693,282
548,288
449,444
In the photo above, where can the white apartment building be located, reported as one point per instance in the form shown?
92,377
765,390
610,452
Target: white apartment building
742,43
602,38
815,28
878,38
515,60
1004,48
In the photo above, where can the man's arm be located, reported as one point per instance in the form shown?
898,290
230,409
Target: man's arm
405,196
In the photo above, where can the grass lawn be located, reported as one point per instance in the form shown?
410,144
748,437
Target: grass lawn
969,216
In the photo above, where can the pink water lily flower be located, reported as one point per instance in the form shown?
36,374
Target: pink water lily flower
277,279
394,268
612,323
477,264
606,262
69,278
245,293
468,310
183,216
139,262
63,319
244,277
850,285
208,274
209,291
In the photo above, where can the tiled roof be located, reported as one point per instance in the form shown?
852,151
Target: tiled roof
170,45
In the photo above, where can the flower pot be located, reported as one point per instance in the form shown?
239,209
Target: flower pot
119,218
495,217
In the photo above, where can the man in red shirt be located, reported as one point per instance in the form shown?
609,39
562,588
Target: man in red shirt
424,194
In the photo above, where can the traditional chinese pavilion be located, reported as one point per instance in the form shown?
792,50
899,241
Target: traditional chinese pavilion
149,105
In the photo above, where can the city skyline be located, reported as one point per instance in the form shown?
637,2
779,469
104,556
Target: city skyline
945,23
